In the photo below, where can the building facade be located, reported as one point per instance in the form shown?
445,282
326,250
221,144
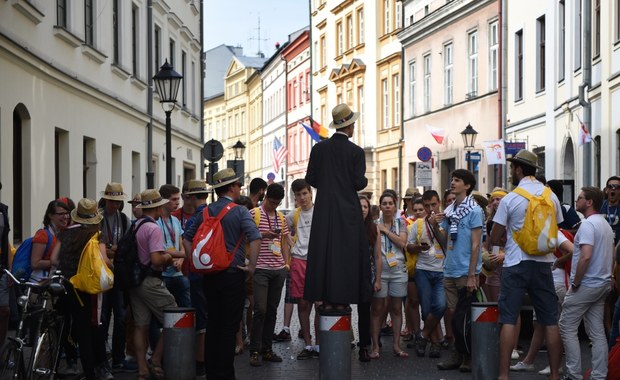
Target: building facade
77,113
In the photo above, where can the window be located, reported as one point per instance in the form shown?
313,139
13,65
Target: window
157,47
577,39
323,52
396,91
427,83
395,178
412,88
385,95
448,78
315,56
340,42
360,26
184,80
596,44
519,65
349,32
472,62
493,55
61,13
540,54
561,40
88,22
116,33
399,14
386,16
134,40
383,180
172,53
617,21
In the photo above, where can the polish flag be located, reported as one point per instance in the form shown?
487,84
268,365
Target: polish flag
439,134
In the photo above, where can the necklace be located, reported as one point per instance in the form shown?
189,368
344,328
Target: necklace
612,218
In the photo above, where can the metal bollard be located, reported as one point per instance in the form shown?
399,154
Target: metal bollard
335,337
484,340
179,343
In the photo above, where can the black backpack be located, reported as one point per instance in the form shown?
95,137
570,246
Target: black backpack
461,322
129,272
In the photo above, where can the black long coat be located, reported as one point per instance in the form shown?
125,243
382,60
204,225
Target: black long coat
338,269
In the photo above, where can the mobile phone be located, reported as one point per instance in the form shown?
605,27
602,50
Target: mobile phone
277,230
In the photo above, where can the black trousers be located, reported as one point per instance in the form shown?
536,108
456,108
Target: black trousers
363,324
225,296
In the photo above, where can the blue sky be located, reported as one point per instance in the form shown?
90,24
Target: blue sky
235,22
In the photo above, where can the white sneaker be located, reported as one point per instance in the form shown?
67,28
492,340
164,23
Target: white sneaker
522,367
514,355
547,371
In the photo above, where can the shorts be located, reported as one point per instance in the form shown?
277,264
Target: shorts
392,288
288,298
451,286
150,299
4,290
536,279
297,277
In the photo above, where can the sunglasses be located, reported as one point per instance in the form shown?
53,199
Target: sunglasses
613,186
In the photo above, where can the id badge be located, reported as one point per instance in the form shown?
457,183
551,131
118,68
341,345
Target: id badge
276,248
391,259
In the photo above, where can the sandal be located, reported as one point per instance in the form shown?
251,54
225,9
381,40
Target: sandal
156,372
374,355
401,354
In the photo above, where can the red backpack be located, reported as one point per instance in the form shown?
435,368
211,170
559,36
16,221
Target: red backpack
209,254
567,264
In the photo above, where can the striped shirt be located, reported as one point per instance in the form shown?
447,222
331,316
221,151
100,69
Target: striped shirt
267,258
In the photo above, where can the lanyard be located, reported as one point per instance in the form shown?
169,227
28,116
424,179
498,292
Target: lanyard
111,229
269,219
428,231
171,233
611,218
388,242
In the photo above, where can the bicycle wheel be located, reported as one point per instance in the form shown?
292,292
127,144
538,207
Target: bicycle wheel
45,354
11,365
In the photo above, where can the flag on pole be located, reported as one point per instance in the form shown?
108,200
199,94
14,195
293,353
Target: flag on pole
495,152
584,135
439,134
315,136
279,154
319,129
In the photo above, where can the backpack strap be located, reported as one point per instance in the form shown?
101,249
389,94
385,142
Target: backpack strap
522,192
257,216
419,223
296,215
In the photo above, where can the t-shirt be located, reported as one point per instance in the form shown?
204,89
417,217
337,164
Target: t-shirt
459,252
302,232
172,232
594,231
40,237
113,227
431,259
398,270
270,254
610,213
511,214
559,274
149,239
182,216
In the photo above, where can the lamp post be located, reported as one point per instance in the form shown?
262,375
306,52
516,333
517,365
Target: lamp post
469,139
238,150
167,82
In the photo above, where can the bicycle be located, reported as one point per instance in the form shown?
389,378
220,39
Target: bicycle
37,312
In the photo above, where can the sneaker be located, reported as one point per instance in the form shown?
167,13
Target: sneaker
305,354
270,356
522,367
282,336
125,366
420,345
465,365
435,351
514,355
103,373
255,359
315,354
547,371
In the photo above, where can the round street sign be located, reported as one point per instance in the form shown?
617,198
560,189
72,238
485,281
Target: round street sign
425,154
213,150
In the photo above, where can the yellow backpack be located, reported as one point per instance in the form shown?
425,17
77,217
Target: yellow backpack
93,275
296,214
412,258
539,235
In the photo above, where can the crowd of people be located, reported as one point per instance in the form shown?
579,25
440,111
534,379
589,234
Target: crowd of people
418,259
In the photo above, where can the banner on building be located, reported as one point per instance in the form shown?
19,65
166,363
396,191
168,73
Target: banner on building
495,152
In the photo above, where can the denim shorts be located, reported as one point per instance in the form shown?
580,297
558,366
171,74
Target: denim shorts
431,293
534,278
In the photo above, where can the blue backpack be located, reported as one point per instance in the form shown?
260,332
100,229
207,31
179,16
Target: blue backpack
22,264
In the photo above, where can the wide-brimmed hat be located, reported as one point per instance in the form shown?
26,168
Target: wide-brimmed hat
86,212
197,186
343,116
114,192
525,157
224,177
497,192
151,198
480,198
410,193
135,200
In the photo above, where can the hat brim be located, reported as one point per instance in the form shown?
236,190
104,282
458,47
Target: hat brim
76,218
227,182
153,205
352,120
523,162
123,197
205,191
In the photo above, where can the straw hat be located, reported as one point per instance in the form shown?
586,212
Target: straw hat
86,212
410,192
525,157
196,186
114,192
343,116
135,200
224,177
151,198
480,198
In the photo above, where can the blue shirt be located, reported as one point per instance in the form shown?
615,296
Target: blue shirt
459,251
172,239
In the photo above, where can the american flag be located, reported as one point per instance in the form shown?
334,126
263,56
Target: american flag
279,154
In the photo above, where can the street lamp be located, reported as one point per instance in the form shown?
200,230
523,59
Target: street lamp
469,139
238,163
239,149
167,82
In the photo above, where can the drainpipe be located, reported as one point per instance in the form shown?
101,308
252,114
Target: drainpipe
202,87
402,110
502,83
150,176
585,87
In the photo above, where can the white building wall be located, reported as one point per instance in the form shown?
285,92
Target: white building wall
273,77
